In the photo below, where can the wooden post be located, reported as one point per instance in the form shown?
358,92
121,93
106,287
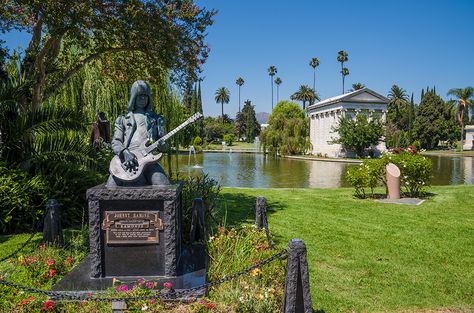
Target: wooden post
260,212
297,297
198,221
52,230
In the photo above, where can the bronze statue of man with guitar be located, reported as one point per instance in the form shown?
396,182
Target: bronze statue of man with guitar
138,134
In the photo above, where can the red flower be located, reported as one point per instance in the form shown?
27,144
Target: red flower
168,285
48,306
52,273
25,301
50,263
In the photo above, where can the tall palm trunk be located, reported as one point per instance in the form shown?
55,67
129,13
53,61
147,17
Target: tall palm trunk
462,131
222,111
314,79
271,81
239,98
278,93
342,73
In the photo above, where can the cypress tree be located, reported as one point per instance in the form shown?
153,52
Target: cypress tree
200,123
422,94
411,112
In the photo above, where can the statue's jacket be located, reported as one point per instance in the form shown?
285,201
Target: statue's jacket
125,125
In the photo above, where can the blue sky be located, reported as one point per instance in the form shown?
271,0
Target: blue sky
413,44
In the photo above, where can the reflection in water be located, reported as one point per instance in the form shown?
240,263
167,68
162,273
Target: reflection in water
259,171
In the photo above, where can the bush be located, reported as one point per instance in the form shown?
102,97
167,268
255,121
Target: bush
201,186
415,173
229,139
197,141
22,199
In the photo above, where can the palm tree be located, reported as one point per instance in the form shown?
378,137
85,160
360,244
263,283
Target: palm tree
222,96
278,81
272,70
357,86
342,57
398,97
465,97
305,93
240,81
344,72
314,63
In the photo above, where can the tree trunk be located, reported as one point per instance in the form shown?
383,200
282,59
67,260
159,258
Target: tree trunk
239,98
278,93
342,67
222,111
271,81
462,133
314,79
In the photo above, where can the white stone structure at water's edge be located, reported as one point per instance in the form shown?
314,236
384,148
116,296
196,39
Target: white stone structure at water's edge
469,142
325,115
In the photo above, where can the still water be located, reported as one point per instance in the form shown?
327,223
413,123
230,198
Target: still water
259,171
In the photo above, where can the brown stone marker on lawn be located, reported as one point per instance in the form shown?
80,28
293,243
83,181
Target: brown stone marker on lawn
393,181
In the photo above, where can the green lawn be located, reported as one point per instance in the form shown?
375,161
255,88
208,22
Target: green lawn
235,146
371,257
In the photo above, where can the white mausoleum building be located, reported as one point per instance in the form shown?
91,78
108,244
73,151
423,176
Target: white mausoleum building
324,115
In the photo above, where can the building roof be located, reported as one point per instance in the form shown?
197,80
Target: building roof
364,95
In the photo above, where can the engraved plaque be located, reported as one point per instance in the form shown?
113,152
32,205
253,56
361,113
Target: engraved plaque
132,227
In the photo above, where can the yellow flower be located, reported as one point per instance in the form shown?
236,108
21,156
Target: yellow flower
255,272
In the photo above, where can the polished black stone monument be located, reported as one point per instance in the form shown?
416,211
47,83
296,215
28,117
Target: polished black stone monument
136,232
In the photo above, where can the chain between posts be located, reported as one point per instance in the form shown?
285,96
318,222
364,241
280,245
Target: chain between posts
171,295
33,233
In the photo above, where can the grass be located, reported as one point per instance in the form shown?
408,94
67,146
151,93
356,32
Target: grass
236,145
366,256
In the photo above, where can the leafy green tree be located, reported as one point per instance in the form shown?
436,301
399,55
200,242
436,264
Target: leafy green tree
433,121
465,97
278,81
288,130
357,86
359,133
305,94
3,57
246,122
215,130
163,35
240,81
342,57
398,101
272,70
314,63
222,96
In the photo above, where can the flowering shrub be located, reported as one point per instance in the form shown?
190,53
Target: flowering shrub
415,172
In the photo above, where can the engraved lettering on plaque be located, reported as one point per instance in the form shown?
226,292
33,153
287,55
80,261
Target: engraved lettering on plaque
132,227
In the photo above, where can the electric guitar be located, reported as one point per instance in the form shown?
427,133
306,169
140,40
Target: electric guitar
145,155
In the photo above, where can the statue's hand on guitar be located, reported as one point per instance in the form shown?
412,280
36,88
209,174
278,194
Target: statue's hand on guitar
130,161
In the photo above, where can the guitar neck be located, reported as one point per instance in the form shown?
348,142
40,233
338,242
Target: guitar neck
173,132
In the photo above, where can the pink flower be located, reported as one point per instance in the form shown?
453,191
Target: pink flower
141,281
150,285
122,288
168,285
50,263
152,301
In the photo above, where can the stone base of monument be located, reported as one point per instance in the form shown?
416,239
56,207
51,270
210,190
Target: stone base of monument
136,233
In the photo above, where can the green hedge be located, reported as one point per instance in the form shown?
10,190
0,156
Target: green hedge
415,174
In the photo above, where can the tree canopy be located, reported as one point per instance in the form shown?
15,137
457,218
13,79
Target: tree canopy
159,35
288,130
246,122
359,133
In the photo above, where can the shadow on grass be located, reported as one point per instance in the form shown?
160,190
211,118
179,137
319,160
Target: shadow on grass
238,209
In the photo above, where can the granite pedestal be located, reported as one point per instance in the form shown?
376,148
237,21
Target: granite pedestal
135,232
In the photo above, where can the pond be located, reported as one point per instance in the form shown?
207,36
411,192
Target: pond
259,171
